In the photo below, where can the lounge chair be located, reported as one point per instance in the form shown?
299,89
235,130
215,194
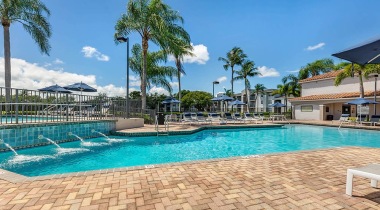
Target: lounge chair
229,118
201,119
248,117
214,117
371,171
373,121
237,117
187,118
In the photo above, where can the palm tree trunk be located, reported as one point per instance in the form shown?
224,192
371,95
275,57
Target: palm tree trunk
143,73
232,81
246,96
256,104
178,64
361,84
7,61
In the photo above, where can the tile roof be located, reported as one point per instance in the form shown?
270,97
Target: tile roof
327,75
334,96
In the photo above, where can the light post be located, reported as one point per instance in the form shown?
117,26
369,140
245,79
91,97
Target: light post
213,94
122,40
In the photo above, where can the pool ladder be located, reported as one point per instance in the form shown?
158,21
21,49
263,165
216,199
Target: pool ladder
165,132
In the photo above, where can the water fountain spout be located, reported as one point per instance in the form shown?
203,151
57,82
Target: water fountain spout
8,146
104,135
49,140
71,134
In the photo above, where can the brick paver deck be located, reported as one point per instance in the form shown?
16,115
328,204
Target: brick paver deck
307,180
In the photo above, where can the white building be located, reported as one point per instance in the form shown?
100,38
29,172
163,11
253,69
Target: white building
322,100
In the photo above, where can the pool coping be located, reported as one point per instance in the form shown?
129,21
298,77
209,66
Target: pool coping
18,178
196,130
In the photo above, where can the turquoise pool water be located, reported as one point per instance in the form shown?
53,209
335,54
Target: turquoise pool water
100,153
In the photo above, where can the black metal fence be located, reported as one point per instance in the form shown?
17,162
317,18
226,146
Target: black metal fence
30,106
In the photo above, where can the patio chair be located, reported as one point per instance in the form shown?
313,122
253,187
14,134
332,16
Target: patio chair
371,171
187,118
237,117
214,117
248,117
229,117
373,121
201,119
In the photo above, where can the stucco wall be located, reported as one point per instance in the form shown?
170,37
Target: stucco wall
299,115
328,87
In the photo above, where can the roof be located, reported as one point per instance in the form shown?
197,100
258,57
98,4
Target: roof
334,96
327,75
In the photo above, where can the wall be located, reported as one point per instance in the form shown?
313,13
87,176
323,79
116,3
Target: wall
328,87
26,135
314,115
129,123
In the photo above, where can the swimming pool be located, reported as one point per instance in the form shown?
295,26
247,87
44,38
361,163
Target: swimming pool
100,153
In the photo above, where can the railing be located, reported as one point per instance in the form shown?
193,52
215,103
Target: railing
30,106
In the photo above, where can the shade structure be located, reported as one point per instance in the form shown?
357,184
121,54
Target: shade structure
237,102
82,87
365,53
277,104
170,100
223,98
361,101
55,89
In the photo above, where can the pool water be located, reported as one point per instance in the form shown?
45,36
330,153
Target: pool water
99,153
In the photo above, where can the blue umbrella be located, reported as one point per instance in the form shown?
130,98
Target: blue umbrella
237,102
55,89
82,87
170,101
223,98
361,101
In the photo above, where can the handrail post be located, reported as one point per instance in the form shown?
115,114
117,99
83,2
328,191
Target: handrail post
16,107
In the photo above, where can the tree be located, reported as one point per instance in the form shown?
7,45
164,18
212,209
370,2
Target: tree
317,67
32,14
283,90
179,47
294,86
153,21
183,93
234,57
199,99
154,100
360,71
135,95
259,88
228,92
248,70
156,74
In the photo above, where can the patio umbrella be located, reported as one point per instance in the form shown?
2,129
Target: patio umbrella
236,102
360,102
170,100
55,89
365,53
82,87
223,98
277,105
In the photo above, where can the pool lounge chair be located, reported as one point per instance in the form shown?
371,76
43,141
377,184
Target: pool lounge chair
237,117
201,119
373,121
187,118
214,117
248,117
229,118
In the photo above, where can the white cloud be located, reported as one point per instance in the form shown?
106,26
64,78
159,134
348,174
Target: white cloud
317,46
221,79
294,71
32,76
268,72
200,55
58,61
134,81
91,52
158,90
174,84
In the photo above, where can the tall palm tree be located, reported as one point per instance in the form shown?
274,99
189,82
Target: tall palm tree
234,57
154,21
283,90
248,69
32,14
156,74
259,88
359,70
317,67
179,48
294,86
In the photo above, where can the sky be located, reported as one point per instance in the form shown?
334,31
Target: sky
279,36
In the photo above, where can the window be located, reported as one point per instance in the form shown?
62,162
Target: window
307,108
327,109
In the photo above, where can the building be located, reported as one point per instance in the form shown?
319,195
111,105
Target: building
322,100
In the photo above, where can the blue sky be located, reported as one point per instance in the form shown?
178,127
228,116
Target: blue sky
274,34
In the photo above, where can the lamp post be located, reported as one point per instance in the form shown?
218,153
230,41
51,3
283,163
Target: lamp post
376,75
122,40
213,94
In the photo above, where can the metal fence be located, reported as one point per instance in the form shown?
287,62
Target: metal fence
30,106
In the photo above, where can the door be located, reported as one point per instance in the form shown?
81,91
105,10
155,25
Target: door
346,109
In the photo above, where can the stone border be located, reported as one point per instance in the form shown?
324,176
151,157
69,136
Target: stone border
196,130
18,178
44,124
360,127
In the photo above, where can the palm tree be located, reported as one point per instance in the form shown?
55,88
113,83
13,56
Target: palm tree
156,74
317,67
294,86
248,70
283,90
154,21
234,57
360,71
180,48
259,88
32,16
